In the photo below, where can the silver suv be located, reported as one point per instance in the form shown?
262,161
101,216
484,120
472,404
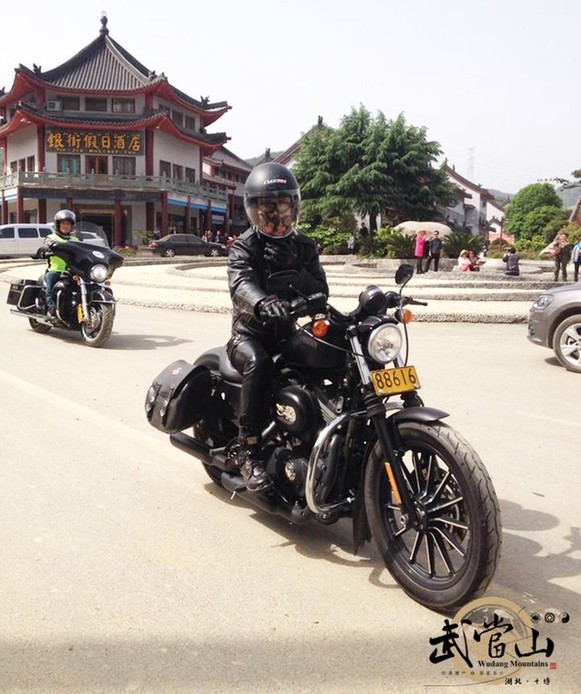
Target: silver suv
555,322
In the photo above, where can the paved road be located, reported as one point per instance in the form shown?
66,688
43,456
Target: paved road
124,569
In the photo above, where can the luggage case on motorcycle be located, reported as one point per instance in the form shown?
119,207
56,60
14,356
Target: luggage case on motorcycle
22,293
178,396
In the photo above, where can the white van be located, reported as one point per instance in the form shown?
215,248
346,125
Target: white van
22,239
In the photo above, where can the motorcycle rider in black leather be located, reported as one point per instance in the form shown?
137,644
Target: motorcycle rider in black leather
261,320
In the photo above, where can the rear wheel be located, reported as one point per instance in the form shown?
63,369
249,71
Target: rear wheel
169,253
39,327
97,330
448,554
567,343
214,253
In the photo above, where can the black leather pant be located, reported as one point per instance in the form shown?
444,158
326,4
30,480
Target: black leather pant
252,360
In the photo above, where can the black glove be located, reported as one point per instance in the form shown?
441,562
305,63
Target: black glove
279,255
43,252
272,308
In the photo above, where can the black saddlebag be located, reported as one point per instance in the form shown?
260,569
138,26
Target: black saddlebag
178,397
22,293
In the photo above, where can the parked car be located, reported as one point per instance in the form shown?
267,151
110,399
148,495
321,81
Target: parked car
22,239
555,322
186,244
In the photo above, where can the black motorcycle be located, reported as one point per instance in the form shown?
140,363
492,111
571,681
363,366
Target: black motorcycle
349,436
84,300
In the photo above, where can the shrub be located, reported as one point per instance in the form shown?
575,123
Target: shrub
457,241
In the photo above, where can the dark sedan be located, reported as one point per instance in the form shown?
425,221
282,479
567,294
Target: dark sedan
555,322
186,244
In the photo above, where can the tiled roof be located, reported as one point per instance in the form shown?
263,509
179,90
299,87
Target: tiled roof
102,65
105,66
147,120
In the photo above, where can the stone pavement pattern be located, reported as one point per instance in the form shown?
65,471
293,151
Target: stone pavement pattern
201,285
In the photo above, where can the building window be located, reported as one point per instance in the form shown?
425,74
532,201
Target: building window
30,164
94,104
190,175
178,172
165,169
124,166
13,166
22,164
68,163
178,117
190,122
71,103
123,105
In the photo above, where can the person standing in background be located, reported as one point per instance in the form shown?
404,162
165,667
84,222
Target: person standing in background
435,250
419,250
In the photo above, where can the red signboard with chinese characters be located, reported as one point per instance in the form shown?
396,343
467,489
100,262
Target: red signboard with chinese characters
94,142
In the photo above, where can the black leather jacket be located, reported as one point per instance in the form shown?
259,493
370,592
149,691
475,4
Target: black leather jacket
248,271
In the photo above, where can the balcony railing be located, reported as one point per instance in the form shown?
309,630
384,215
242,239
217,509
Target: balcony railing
92,181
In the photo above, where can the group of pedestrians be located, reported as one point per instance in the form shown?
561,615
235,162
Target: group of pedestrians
563,252
428,248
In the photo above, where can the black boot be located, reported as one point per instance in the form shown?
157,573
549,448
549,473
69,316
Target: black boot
252,470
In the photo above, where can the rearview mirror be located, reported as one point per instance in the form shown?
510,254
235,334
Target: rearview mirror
404,273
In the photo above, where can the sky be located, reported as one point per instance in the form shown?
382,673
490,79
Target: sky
495,83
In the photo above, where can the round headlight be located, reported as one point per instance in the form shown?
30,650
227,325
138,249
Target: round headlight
384,343
99,273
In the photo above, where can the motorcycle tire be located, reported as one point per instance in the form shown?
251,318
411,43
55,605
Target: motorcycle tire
102,316
38,327
450,558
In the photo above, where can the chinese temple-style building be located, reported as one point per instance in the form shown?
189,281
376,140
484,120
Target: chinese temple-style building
118,144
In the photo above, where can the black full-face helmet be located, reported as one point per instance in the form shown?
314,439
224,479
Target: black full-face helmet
272,200
64,216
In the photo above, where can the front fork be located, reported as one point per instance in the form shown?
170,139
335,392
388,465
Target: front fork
385,428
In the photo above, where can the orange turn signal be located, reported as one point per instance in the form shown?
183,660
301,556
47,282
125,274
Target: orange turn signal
406,316
320,328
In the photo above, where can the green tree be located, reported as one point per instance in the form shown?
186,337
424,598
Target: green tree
371,166
526,201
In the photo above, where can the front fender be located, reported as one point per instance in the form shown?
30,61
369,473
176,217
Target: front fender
417,414
102,295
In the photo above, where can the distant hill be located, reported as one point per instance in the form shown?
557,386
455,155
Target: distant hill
569,195
254,160
500,197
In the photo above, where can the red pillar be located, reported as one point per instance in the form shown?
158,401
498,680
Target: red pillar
40,147
149,216
69,204
42,211
117,241
4,215
164,225
209,216
19,206
188,216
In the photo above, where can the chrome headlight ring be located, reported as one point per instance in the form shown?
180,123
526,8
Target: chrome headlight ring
99,273
384,343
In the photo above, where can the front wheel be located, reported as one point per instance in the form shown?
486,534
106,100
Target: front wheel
567,343
446,555
39,327
97,330
169,253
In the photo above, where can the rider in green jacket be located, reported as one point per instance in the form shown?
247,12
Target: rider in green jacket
64,225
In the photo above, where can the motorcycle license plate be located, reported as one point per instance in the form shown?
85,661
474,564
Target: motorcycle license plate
394,381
